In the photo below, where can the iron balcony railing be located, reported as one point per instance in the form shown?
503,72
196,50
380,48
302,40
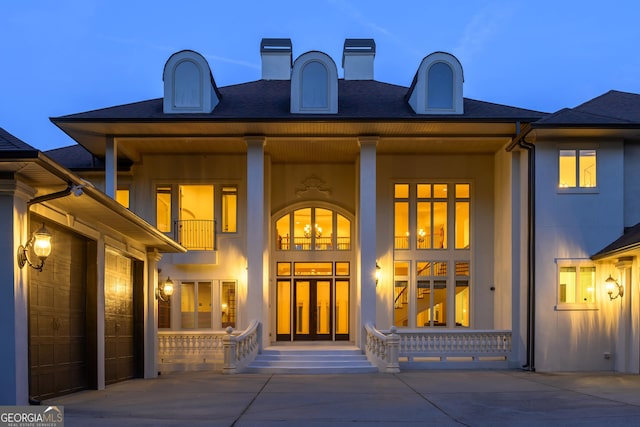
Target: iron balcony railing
196,234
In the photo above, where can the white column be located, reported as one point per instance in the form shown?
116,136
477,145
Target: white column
255,231
14,357
151,316
367,236
111,167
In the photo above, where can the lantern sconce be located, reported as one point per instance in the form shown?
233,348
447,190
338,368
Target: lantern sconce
612,285
40,243
378,270
165,290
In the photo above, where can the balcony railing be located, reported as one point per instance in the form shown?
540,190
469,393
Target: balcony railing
196,234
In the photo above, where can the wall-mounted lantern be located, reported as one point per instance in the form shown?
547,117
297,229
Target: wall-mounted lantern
613,287
165,290
378,272
40,242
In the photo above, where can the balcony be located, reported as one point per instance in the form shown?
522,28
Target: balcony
195,234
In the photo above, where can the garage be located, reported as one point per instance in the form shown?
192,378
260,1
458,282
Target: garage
60,342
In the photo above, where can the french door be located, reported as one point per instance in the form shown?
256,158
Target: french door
313,310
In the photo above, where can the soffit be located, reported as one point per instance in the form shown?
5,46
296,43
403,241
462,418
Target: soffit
291,141
93,206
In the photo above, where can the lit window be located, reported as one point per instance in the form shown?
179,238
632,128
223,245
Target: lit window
195,225
195,305
122,197
313,229
229,209
228,304
577,284
577,169
163,208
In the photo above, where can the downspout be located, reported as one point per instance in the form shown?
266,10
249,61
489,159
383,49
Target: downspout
531,243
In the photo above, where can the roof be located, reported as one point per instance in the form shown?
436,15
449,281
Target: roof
269,100
47,177
613,108
9,142
76,157
628,241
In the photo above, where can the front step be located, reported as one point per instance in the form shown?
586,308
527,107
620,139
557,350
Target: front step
310,361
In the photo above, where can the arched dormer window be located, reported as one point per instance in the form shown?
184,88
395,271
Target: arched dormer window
188,84
314,84
437,86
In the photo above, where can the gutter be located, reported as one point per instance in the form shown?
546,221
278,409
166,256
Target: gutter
521,134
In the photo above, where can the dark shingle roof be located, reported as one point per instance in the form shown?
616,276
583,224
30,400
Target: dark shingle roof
270,100
9,142
613,108
629,240
76,157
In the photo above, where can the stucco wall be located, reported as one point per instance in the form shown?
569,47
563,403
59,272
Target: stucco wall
574,226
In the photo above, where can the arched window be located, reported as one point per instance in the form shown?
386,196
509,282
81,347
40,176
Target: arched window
188,84
314,84
440,86
313,229
437,86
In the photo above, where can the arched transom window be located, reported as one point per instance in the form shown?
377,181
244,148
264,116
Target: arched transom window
313,229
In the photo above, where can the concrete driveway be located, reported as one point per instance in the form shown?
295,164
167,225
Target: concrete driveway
431,398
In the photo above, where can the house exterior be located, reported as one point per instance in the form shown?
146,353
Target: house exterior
341,210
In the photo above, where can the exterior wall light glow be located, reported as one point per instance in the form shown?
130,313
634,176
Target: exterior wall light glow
165,290
378,270
40,243
612,286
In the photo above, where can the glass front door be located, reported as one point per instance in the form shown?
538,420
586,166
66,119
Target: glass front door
312,309
313,313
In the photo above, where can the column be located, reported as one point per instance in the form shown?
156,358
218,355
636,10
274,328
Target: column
151,316
367,235
255,231
111,167
14,357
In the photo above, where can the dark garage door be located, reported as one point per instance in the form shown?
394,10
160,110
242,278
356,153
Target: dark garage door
58,317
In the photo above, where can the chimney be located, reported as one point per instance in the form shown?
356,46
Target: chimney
357,59
276,59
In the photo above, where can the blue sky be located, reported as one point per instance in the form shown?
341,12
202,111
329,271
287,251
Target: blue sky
71,56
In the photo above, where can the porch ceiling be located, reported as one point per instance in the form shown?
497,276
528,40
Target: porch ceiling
310,141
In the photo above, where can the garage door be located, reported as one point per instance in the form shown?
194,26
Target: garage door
58,317
120,351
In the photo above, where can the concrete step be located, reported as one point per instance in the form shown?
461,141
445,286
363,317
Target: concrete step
310,361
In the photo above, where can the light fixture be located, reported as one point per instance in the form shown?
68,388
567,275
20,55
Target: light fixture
165,290
612,286
378,270
40,243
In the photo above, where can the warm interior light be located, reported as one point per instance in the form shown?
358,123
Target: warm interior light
378,270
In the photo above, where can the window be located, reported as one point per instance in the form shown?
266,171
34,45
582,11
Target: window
313,229
122,197
440,86
577,169
192,223
437,86
228,303
188,84
432,238
229,209
314,84
196,305
576,283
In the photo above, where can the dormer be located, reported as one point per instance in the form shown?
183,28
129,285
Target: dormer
314,84
437,86
188,84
